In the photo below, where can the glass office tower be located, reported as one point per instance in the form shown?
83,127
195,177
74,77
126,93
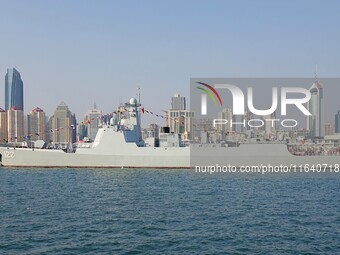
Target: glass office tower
14,90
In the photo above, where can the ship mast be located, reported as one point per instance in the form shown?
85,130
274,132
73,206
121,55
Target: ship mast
138,93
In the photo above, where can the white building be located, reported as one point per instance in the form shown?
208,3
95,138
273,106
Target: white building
15,122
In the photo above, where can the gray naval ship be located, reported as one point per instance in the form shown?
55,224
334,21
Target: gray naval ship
119,144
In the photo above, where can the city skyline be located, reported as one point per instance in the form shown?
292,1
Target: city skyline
21,124
12,99
177,100
62,126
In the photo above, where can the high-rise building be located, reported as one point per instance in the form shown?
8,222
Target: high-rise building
14,90
153,130
225,114
337,122
62,125
180,122
269,125
248,115
27,125
329,129
178,103
92,120
37,124
81,131
15,124
73,128
315,122
3,126
49,129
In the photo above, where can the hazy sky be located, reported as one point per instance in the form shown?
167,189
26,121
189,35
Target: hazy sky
85,51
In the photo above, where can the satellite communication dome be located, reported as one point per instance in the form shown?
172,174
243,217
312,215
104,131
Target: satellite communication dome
133,101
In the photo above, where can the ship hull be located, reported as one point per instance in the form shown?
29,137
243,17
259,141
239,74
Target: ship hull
51,158
259,155
147,157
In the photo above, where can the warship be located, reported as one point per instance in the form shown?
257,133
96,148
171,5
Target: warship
119,144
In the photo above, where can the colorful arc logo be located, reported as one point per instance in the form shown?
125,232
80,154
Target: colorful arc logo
212,93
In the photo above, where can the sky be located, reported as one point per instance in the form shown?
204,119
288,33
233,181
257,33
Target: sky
82,52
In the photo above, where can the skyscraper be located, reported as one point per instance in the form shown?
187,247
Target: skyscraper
62,125
15,123
81,131
178,103
92,120
27,125
225,114
337,122
73,128
14,94
180,122
38,124
329,129
269,125
3,126
315,122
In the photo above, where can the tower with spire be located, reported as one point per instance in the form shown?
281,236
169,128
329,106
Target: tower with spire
316,107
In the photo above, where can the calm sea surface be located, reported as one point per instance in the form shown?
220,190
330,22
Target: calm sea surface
129,211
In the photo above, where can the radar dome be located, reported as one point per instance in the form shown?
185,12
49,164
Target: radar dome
133,101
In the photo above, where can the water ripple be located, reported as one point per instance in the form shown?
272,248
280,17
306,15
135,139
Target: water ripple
129,211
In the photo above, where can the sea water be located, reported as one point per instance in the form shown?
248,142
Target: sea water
143,211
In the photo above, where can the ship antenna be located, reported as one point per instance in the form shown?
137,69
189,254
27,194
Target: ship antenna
316,73
138,95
